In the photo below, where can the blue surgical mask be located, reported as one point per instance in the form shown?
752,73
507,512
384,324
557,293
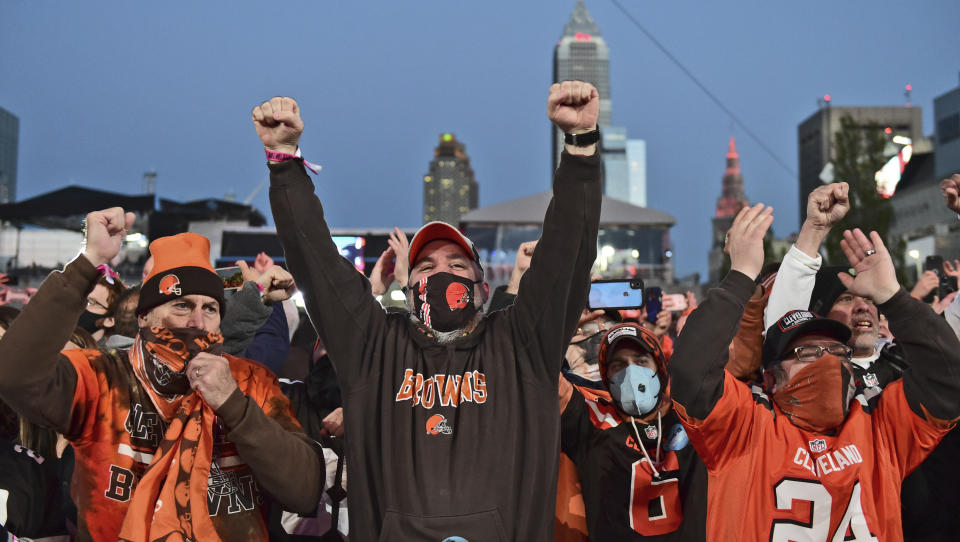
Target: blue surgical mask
636,389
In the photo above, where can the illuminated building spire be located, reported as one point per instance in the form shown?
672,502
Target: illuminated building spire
732,197
581,22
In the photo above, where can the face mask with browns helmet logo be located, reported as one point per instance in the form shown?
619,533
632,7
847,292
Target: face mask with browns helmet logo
444,301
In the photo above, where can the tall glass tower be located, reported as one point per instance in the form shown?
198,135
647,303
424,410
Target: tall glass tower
581,54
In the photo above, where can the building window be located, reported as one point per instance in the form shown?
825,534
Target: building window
948,128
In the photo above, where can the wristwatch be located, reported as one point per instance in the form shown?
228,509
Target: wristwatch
582,140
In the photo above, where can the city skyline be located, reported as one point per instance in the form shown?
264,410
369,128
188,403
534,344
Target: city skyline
102,100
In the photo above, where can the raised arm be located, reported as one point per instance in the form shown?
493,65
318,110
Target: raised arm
554,290
338,297
826,206
35,379
697,365
932,383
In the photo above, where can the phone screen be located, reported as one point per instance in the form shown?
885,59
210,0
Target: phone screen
232,277
674,302
616,294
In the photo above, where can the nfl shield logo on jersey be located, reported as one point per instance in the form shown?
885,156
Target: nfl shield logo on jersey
818,445
871,380
650,431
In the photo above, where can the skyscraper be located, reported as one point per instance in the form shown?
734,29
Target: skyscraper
449,188
732,199
637,163
581,54
946,116
9,138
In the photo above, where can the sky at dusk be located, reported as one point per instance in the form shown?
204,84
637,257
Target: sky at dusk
107,90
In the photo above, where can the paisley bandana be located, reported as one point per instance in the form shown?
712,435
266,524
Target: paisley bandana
160,356
170,501
818,397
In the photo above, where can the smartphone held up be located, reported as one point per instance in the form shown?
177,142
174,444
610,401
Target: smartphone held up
616,294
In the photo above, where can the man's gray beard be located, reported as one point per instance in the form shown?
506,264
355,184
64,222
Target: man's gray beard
447,337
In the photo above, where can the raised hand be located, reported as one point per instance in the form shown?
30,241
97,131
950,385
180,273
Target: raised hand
927,283
940,305
401,248
745,239
662,325
250,274
262,262
573,106
952,269
520,266
876,278
828,204
950,188
382,275
278,124
105,232
277,284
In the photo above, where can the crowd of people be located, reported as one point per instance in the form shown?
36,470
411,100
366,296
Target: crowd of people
797,402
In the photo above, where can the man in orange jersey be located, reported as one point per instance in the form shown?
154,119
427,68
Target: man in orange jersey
174,440
814,463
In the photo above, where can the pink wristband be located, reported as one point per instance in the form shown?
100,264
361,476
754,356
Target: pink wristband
276,156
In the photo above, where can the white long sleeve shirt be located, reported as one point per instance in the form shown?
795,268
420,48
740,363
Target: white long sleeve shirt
793,287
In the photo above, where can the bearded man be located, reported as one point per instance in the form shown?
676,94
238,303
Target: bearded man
450,414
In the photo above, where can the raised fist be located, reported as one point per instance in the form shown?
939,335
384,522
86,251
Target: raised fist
105,232
950,188
827,205
573,106
745,239
277,285
278,124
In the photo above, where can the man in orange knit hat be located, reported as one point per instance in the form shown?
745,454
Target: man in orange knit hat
174,441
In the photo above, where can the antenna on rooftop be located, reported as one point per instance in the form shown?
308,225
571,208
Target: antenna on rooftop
150,182
906,93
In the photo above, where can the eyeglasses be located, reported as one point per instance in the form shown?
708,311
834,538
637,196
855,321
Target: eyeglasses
813,353
94,303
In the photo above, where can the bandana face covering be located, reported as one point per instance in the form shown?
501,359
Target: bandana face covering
168,350
818,397
635,389
444,301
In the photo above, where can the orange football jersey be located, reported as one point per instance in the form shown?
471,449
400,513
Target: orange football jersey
773,481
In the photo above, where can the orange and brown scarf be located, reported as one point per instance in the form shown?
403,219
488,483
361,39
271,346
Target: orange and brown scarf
170,501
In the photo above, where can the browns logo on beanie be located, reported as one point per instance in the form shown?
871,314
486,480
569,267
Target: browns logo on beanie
181,267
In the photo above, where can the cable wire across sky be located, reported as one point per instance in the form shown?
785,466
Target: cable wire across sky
713,97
